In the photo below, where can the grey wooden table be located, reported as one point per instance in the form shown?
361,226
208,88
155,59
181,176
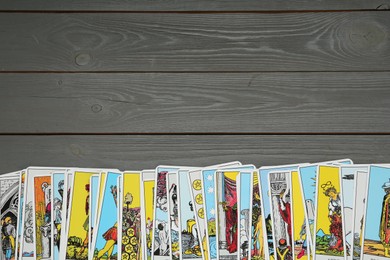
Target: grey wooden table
134,84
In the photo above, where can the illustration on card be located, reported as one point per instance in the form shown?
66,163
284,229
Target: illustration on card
131,218
227,214
348,183
173,215
161,237
279,183
329,229
197,200
299,222
147,220
377,223
359,210
58,192
20,210
189,231
245,214
9,200
209,198
78,237
42,202
257,250
107,234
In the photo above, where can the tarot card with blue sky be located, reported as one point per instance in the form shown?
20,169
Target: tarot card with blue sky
245,214
376,244
58,182
308,175
105,237
208,186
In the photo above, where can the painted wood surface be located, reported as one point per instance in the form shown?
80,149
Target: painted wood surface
133,152
192,5
195,103
329,41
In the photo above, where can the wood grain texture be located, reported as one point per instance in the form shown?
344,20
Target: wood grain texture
140,152
340,41
195,102
193,5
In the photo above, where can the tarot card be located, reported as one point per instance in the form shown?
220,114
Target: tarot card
348,173
57,183
361,179
106,231
161,242
308,176
119,184
102,181
173,210
161,237
130,213
280,201
244,204
28,242
227,216
195,180
377,218
189,235
147,208
265,195
77,235
209,202
257,228
329,228
299,224
9,194
68,186
93,201
19,228
42,216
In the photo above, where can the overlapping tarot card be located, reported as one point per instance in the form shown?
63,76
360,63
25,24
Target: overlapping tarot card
329,210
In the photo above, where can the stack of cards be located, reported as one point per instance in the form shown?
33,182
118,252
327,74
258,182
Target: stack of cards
330,210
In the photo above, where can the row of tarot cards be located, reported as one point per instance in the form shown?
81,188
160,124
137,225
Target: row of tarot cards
329,210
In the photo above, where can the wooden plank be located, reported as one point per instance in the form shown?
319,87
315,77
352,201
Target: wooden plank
140,152
192,5
195,102
341,41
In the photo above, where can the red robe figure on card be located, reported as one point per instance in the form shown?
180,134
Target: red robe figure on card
384,229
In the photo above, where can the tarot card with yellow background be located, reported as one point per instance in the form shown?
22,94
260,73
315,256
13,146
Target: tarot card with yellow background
257,238
130,212
78,222
147,206
329,228
300,227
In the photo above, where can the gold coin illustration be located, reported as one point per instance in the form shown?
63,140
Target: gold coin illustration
130,232
201,213
129,249
197,184
199,199
125,240
133,240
